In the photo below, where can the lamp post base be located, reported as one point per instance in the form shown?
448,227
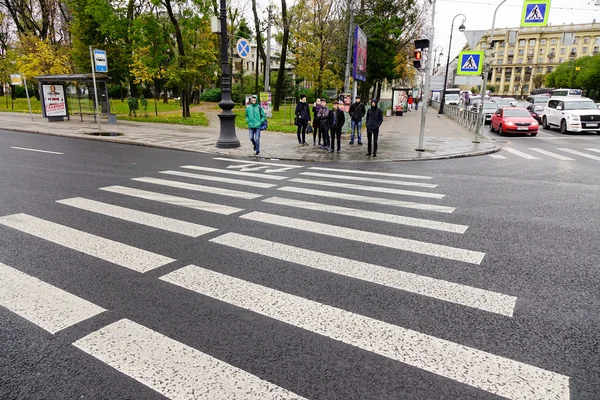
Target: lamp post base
227,137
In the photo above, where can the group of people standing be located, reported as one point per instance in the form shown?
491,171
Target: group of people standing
327,123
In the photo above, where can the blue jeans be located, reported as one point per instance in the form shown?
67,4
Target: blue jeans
356,125
254,134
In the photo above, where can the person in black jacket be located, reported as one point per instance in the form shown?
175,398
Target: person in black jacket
336,122
374,121
323,117
303,116
357,112
316,123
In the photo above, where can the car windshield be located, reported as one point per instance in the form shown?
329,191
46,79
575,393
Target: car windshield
452,97
516,113
502,102
539,100
490,106
580,105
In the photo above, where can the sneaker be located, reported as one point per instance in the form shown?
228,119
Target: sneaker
374,155
331,151
304,144
258,152
351,143
360,143
339,151
300,145
368,154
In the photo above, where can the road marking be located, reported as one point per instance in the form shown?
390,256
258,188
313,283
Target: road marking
497,156
595,150
174,200
370,179
520,153
257,162
495,374
468,296
551,154
36,150
47,306
544,133
368,188
343,171
228,172
219,179
393,242
199,188
579,153
95,246
139,217
371,215
367,199
172,368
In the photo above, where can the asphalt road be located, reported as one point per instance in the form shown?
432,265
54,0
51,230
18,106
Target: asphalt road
472,278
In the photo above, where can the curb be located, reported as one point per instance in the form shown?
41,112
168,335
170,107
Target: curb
119,140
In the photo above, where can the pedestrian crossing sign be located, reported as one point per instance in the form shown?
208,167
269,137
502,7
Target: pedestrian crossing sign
535,13
470,63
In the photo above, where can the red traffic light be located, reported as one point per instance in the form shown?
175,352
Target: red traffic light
418,54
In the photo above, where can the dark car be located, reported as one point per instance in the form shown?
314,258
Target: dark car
531,108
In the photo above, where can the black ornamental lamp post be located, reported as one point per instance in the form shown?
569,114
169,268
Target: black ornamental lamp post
227,137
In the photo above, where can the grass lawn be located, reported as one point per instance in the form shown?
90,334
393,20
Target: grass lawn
120,107
197,119
281,121
20,105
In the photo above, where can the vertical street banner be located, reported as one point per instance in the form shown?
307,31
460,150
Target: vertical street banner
265,103
54,100
360,55
535,13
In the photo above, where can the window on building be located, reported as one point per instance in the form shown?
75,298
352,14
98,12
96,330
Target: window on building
521,52
584,50
511,52
506,88
499,62
501,53
573,51
576,40
597,40
548,69
539,70
552,51
525,89
561,60
586,40
498,79
543,41
501,43
532,42
596,49
540,60
522,42
520,60
530,52
553,41
562,50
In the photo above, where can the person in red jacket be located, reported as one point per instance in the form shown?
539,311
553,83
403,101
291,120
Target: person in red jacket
410,103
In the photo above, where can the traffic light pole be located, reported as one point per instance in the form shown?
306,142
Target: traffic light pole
483,84
426,94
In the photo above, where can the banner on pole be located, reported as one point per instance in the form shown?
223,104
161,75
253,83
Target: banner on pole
100,61
360,55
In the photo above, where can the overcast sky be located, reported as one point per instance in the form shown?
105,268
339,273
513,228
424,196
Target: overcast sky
480,13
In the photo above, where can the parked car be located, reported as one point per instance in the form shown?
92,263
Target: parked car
539,103
511,101
501,102
513,120
598,105
522,104
572,114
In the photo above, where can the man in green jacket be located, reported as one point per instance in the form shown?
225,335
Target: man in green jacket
255,116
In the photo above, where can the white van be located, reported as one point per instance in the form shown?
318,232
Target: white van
567,92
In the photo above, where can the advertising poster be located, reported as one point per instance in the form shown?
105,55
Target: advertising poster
399,99
265,103
54,100
360,55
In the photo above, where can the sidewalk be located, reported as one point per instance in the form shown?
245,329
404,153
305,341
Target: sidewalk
398,138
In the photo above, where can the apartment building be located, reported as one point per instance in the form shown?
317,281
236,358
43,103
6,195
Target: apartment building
522,53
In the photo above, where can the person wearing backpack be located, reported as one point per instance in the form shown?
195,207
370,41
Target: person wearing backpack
255,117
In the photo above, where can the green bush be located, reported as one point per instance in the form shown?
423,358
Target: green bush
213,95
133,104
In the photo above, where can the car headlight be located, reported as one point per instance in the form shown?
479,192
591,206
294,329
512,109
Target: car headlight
534,123
508,123
574,117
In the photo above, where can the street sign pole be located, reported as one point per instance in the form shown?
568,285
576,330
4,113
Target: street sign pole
27,94
483,84
426,94
96,89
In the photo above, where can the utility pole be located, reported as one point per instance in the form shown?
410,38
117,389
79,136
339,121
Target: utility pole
428,70
268,62
349,52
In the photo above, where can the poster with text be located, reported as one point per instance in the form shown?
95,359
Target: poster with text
54,100
360,55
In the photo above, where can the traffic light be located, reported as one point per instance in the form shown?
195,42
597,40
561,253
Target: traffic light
417,60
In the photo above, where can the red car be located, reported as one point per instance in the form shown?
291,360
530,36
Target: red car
514,120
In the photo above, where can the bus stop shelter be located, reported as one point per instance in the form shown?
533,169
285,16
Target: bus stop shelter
59,93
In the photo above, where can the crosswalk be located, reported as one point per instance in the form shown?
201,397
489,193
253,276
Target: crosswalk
536,153
273,199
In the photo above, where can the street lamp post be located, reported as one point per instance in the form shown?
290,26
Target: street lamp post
462,29
436,61
227,137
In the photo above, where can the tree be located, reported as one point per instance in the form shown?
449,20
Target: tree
538,80
259,45
39,57
285,23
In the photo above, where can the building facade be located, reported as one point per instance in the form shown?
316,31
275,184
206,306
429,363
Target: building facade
521,53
